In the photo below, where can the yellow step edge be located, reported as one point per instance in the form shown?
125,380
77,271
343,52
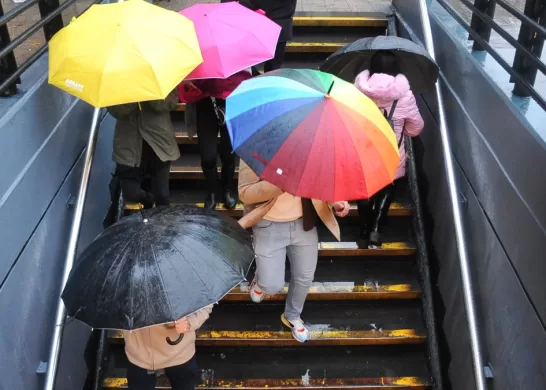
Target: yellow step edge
381,383
340,21
397,209
319,288
314,47
317,337
352,249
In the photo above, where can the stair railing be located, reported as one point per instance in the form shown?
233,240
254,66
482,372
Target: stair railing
60,313
468,289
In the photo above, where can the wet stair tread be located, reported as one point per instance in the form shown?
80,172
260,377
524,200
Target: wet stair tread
394,248
365,367
188,166
382,383
335,323
337,280
399,208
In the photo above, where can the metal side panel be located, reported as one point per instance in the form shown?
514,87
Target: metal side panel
499,162
501,157
29,293
513,332
37,181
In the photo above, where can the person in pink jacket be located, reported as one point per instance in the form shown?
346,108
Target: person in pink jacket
390,90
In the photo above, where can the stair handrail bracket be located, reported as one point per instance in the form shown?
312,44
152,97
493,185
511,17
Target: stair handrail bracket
468,289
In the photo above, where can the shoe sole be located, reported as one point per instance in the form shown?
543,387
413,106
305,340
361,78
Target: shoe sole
287,324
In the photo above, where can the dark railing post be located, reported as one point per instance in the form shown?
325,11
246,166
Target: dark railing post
478,25
532,41
8,65
51,28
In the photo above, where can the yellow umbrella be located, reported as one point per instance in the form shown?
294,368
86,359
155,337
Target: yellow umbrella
123,53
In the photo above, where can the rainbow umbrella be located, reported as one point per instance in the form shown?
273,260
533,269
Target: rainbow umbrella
312,134
231,38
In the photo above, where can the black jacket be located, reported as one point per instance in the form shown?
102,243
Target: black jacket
280,11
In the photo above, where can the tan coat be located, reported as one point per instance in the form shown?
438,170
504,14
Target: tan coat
147,348
259,196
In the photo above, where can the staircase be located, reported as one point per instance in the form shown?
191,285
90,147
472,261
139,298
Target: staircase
364,308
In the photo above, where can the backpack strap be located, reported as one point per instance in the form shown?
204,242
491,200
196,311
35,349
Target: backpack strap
392,109
220,114
389,118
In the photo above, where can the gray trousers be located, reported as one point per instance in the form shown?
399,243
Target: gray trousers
273,241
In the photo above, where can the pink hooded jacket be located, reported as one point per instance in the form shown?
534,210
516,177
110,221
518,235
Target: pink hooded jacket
384,89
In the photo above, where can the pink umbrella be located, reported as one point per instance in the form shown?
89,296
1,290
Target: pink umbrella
231,37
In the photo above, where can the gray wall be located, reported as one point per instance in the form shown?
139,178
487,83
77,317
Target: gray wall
43,132
500,163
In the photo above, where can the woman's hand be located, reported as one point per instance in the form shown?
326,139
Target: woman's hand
342,208
182,325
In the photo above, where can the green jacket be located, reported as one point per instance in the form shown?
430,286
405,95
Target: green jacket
150,121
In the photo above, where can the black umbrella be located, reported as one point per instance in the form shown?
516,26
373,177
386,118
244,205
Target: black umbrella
415,63
157,266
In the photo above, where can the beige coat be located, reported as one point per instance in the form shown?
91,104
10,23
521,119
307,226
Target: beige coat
147,348
259,196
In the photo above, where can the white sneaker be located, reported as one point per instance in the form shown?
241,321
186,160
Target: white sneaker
299,331
256,293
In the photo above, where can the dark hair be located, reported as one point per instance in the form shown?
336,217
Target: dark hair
384,62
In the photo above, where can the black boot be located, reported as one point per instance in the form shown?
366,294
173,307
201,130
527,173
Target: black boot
381,209
227,182
211,178
364,216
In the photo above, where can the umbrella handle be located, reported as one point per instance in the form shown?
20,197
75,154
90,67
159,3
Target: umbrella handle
177,341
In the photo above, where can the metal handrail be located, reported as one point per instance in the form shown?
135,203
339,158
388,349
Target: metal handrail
35,27
13,13
42,23
60,315
524,19
505,65
503,33
464,263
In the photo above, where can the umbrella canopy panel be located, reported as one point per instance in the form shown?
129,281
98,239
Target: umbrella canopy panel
414,61
157,266
123,53
231,37
312,134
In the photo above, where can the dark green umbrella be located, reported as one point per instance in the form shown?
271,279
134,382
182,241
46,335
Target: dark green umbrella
414,61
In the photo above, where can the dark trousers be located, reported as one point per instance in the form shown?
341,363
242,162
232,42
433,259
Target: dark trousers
276,62
130,179
182,377
373,212
208,128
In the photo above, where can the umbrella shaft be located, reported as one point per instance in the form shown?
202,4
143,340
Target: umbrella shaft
60,315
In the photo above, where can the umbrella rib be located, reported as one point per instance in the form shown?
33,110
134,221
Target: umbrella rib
194,270
162,283
217,254
311,148
114,262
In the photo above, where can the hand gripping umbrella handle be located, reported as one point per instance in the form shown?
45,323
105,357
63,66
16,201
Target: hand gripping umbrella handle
177,341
